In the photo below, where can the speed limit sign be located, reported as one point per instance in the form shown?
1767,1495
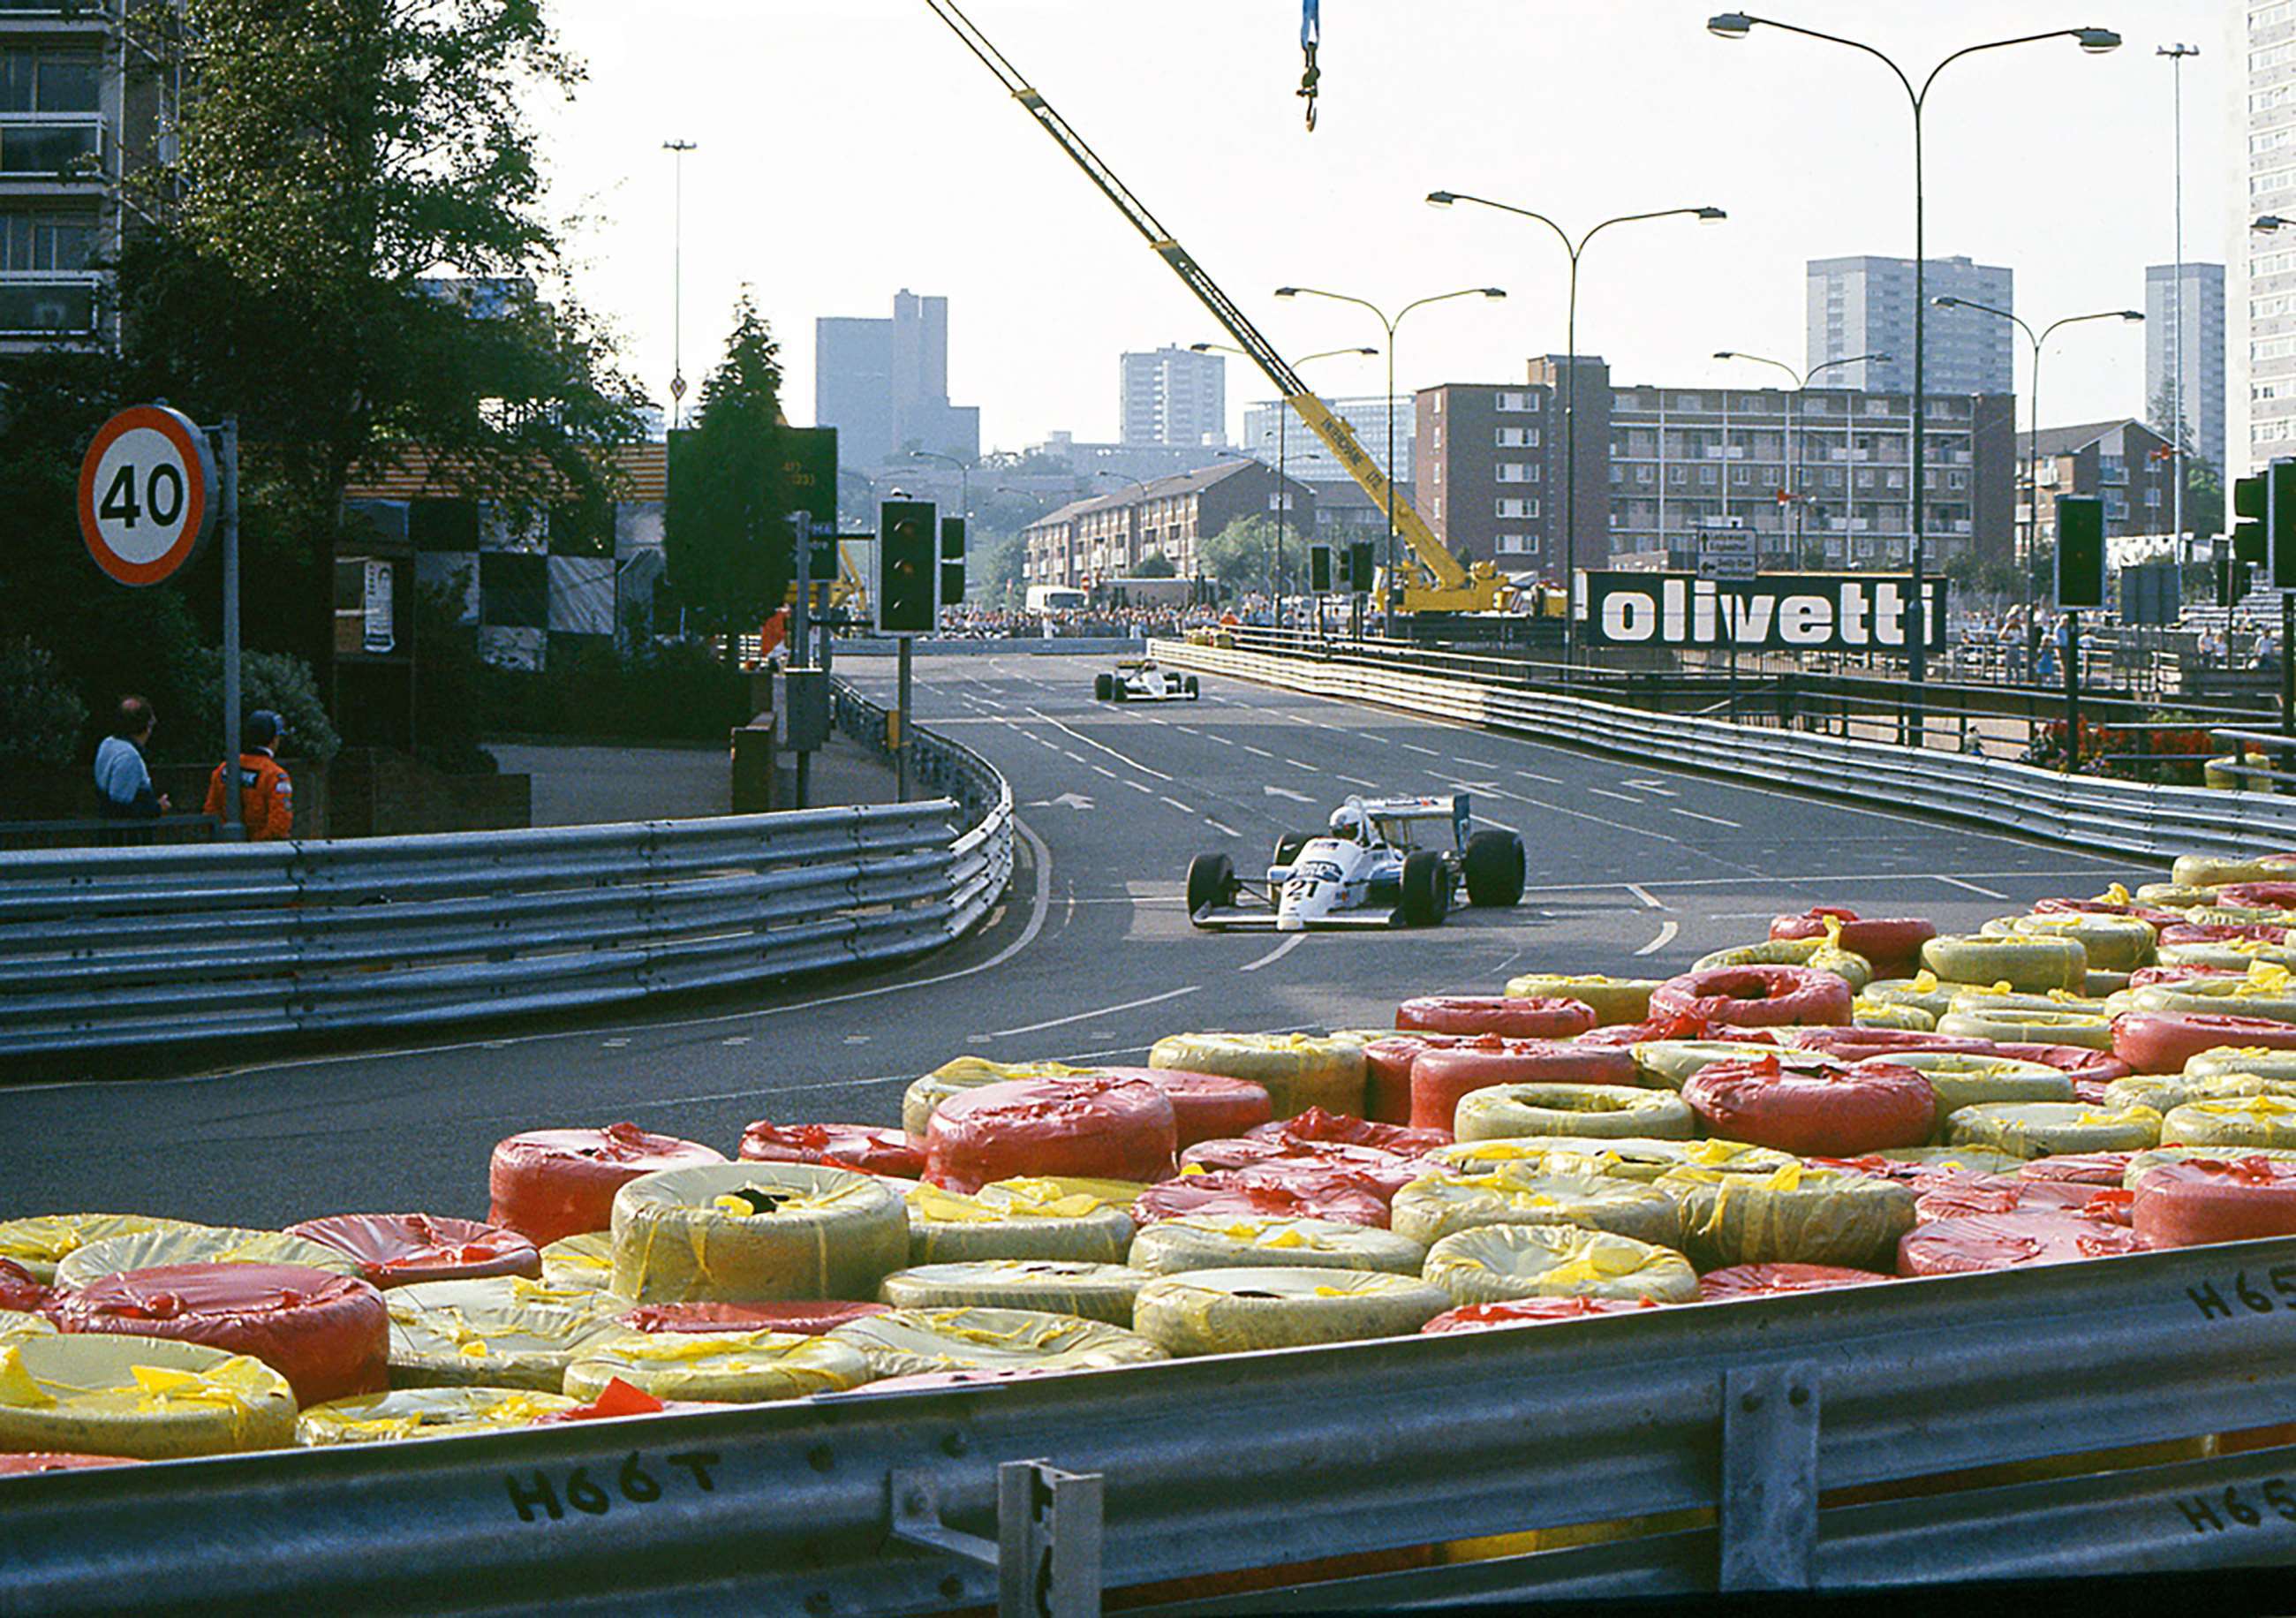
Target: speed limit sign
147,490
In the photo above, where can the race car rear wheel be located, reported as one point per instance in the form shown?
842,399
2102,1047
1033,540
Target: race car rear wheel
1288,847
1211,881
1494,864
1117,690
1426,889
1193,690
1104,687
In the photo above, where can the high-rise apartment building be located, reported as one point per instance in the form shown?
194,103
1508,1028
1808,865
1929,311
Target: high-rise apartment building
1273,429
2189,317
1865,305
883,384
1174,396
2271,255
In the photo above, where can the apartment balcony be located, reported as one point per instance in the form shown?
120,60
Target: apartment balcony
37,304
85,17
46,150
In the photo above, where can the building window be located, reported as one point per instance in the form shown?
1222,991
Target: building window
30,242
1517,472
49,81
1516,507
1516,438
1516,544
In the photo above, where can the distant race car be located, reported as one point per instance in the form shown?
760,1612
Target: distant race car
1369,861
1141,679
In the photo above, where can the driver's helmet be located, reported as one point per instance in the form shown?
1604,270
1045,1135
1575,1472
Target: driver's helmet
1348,822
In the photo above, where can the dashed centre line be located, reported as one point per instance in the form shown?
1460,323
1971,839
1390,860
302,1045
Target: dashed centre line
1709,819
1601,792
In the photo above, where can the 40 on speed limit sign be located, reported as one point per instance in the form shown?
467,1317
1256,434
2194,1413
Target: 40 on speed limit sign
147,493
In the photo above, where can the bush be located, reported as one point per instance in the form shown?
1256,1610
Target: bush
275,680
40,714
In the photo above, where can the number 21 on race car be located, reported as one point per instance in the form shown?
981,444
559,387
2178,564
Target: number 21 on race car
1371,869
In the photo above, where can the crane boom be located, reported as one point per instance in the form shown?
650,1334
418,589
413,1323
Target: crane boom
1448,585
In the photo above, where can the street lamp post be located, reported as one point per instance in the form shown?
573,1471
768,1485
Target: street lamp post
1444,198
1464,291
1795,535
678,151
964,487
2176,53
2095,41
1132,527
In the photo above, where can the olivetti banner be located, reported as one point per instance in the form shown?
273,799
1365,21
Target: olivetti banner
1772,611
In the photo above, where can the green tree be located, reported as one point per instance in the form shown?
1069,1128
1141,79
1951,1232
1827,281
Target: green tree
1155,564
2204,498
41,716
724,532
1243,554
995,576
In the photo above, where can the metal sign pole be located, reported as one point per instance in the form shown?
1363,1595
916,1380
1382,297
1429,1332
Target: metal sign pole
901,727
234,829
2073,693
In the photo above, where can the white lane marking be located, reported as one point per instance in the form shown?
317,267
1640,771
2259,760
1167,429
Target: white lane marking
1276,954
1602,791
1258,752
1065,753
1185,730
1709,819
1137,786
1532,774
1313,770
612,1043
1358,780
1097,769
1415,747
1143,768
1224,831
1176,804
1649,899
1086,1016
1285,792
1472,763
1666,931
736,1040
857,1038
1223,741
1972,887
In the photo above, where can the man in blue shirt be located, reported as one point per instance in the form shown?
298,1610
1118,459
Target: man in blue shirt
123,782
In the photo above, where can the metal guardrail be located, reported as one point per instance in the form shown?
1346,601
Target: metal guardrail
1759,1412
2147,821
121,949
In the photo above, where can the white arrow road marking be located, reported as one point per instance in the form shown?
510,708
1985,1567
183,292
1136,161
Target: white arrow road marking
1649,787
1644,894
1666,931
1605,792
1224,831
1285,792
1276,954
1075,801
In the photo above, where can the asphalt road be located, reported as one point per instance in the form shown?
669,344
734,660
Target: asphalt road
1633,870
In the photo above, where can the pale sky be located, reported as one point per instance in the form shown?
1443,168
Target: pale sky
849,148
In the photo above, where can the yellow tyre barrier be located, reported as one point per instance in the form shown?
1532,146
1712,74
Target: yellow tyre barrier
1973,1159
1622,1157
912,1342
1055,1286
1428,1210
197,1245
2085,1029
1923,992
2174,896
44,1241
1015,1219
756,1233
1171,1247
2256,996
16,1323
1496,1262
1964,1081
2033,964
1501,1111
2210,871
1667,1064
2114,943
1797,1215
1847,964
1996,1001
147,1398
2165,1092
580,1263
1615,1001
923,1096
2051,1129
1881,1014
1298,1071
716,1367
2254,1061
374,1418
2255,1121
497,1332
1227,1312
2228,954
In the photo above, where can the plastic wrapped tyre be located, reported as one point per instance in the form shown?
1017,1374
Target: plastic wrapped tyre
1815,953
580,1263
745,1233
2258,895
802,1317
2136,1165
1530,1312
1923,992
2253,1120
1056,1287
1095,1127
1296,1071
2237,1199
1177,1245
2044,1129
1668,1063
25,1465
919,1341
499,1332
1814,1112
140,1399
2256,1061
1893,944
401,1249
730,1367
1983,1242
197,1245
1613,1000
1346,1196
2113,943
1883,1013
1612,1157
2077,1063
1228,1311
1511,1017
1013,1219
1316,1127
1428,1210
1387,1072
1757,996
1205,1106
39,1242
963,1074
19,1293
2229,997
2165,1092
1796,1216
1775,1280
2165,1042
404,1413
2213,871
326,1333
2030,1028
1492,1263
2033,965
2173,895
1504,1110
551,1183
1441,1079
1990,1194
22,1323
861,1147
1961,1080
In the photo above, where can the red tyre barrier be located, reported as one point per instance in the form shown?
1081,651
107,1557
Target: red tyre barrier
1205,1106
1771,1280
2163,1041
400,1249
551,1184
2144,977
1315,1124
861,1147
2100,906
328,1335
2000,1241
2091,1092
2103,1169
808,1318
1893,944
1531,1311
1341,1195
1387,1072
1758,997
1094,1127
2007,1193
2258,895
1674,1025
2076,1061
1252,1150
19,1292
1813,1112
1439,1078
1859,1044
2204,1200
1530,1018
22,1464
2218,932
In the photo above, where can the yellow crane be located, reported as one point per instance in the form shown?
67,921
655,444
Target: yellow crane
1438,582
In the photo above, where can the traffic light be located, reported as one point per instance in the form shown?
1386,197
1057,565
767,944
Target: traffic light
908,569
2080,551
1319,569
2251,501
2280,525
1360,566
952,562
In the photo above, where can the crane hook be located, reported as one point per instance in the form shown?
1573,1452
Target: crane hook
1311,34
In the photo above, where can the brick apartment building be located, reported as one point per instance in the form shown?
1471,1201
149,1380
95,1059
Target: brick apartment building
2124,462
1088,541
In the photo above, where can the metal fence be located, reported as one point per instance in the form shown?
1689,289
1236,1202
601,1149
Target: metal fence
2148,821
1782,1424
115,949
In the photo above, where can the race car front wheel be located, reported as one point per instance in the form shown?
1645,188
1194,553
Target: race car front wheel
1426,889
1494,865
1104,687
1211,881
1193,690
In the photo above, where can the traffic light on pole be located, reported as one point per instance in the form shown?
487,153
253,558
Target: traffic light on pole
2281,525
2251,499
1361,565
952,562
1319,569
908,567
2080,552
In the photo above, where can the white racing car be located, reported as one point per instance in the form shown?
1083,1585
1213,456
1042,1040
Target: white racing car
1141,679
1369,861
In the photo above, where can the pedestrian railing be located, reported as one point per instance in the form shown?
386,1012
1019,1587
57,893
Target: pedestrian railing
113,950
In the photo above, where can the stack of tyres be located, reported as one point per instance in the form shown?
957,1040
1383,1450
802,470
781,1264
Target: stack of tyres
552,1183
756,1232
141,1398
328,1334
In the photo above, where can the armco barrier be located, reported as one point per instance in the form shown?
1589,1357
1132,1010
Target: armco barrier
1754,1411
2085,812
108,949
